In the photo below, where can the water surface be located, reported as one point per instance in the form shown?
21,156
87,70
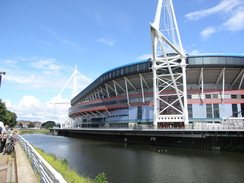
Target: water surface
127,163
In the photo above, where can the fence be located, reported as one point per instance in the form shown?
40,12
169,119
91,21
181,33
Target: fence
47,173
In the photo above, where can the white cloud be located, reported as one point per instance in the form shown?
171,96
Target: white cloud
194,52
62,39
206,33
30,108
225,6
144,57
42,74
106,41
233,19
236,21
42,63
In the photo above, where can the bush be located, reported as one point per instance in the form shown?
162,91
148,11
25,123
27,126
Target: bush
69,175
101,178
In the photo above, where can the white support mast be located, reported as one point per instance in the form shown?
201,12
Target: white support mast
169,67
74,77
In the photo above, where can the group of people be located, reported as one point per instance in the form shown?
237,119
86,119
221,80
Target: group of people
5,134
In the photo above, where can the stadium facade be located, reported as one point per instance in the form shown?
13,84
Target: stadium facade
172,89
123,97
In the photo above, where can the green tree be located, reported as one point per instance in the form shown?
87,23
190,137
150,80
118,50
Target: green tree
48,124
31,125
6,116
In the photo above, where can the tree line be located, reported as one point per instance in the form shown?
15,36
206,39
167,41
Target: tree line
9,118
6,116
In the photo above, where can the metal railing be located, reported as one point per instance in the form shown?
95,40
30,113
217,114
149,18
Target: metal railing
196,126
47,173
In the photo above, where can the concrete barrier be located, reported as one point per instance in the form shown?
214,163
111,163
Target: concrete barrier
24,171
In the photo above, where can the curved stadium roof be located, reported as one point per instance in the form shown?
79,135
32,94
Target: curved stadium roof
213,65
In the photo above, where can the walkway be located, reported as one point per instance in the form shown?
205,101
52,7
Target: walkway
22,171
7,169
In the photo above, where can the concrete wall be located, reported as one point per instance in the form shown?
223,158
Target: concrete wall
24,171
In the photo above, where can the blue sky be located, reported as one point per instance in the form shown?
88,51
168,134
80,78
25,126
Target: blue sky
42,41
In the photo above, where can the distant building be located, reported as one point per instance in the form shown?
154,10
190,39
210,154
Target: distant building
24,124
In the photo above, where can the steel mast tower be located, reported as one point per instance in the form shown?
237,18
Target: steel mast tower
168,66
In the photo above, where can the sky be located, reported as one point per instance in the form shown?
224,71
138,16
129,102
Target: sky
42,41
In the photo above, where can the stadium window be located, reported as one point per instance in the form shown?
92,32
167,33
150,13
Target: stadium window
241,61
189,96
221,60
207,96
230,61
233,96
209,110
214,60
206,60
189,107
237,61
139,112
234,110
216,110
191,61
242,110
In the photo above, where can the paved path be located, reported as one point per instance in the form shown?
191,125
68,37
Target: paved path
7,169
23,171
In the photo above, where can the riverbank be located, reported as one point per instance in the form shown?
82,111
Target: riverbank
33,131
61,166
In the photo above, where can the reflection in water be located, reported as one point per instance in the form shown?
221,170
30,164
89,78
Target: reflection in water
137,163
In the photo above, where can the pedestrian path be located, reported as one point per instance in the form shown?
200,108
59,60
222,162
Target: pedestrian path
7,169
17,168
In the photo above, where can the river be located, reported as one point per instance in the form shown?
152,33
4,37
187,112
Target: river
130,163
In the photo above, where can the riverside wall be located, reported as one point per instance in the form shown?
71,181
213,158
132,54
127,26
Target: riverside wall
184,138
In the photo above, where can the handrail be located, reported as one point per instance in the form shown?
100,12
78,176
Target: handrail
47,173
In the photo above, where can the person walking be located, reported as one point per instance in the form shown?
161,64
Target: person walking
1,135
5,134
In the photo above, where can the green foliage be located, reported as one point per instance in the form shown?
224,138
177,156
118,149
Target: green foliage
62,167
32,131
48,124
65,161
31,125
69,175
6,116
101,178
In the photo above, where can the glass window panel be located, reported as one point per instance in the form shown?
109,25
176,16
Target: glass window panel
230,61
221,60
206,60
216,110
189,106
207,96
242,61
237,61
214,60
234,110
209,110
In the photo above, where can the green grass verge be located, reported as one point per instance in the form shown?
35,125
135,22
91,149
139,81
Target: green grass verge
32,131
69,175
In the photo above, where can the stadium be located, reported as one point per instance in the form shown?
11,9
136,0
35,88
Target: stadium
123,97
169,90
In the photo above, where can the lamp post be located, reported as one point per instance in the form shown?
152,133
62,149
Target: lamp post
1,74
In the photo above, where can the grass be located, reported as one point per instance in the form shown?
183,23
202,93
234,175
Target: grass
69,175
32,131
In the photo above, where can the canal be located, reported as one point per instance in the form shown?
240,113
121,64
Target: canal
132,163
